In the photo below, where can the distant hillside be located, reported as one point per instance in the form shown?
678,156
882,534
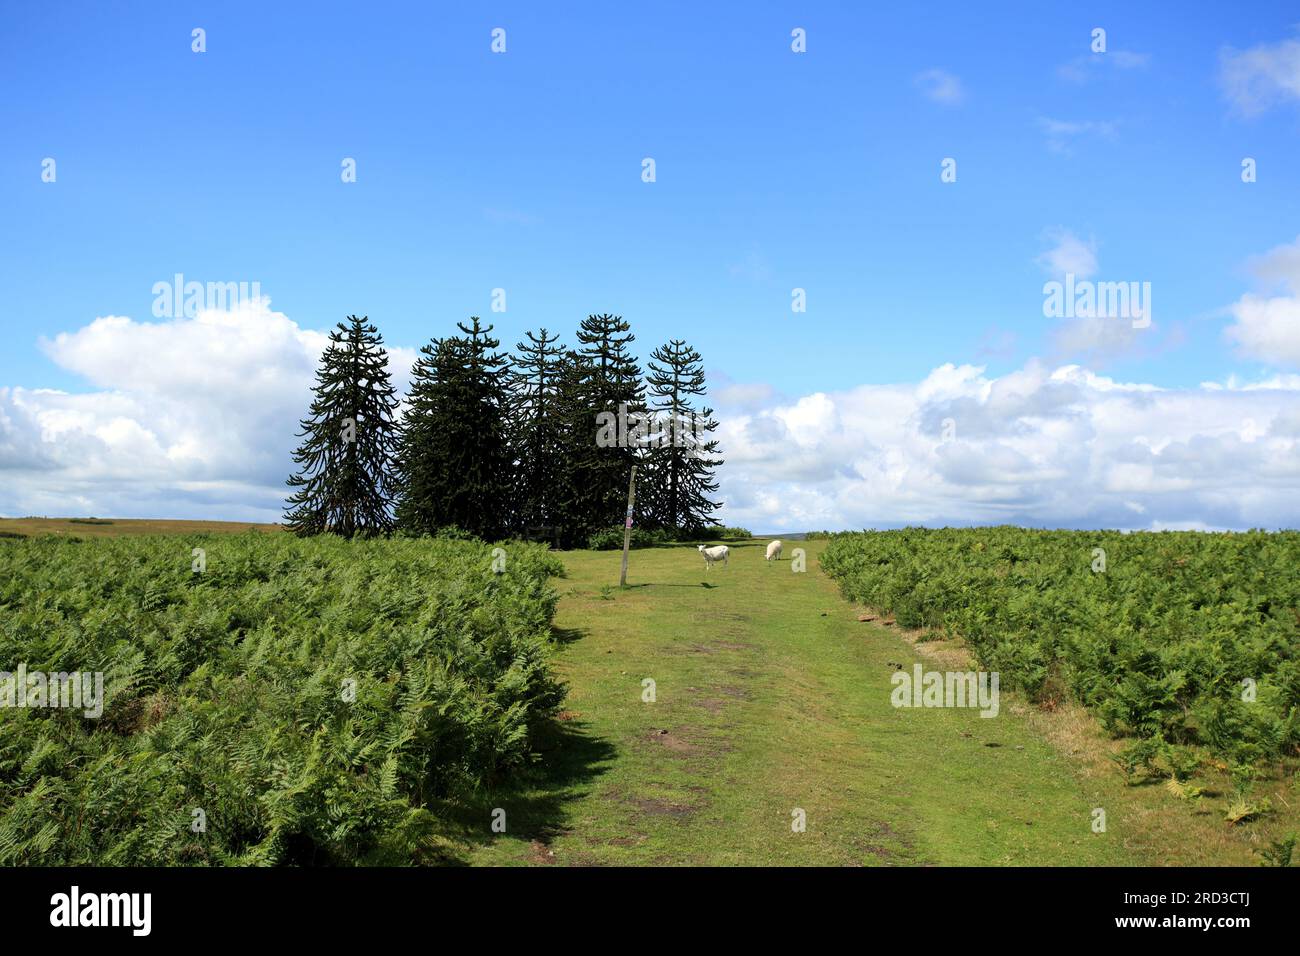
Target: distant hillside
113,527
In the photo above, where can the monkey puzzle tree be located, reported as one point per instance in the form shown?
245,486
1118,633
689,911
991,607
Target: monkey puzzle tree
575,511
344,480
678,459
453,461
536,432
613,386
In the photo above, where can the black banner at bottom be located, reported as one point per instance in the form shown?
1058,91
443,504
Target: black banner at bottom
339,905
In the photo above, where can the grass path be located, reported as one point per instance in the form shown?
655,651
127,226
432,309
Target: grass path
770,696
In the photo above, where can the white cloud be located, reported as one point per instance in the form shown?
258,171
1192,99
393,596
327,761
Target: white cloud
1280,266
1268,327
940,86
1255,79
193,417
214,353
1068,254
1062,447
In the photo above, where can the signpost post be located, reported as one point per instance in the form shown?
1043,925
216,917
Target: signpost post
627,526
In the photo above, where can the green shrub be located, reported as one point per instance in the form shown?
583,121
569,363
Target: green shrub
452,533
314,698
1279,852
611,539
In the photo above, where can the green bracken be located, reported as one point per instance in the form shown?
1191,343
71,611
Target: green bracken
292,702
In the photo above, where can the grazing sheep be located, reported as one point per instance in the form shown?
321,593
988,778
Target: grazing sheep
774,551
718,553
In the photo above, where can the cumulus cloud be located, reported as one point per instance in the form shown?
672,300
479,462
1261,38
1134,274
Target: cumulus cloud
1279,267
940,86
1268,327
1039,446
1068,254
194,417
1262,76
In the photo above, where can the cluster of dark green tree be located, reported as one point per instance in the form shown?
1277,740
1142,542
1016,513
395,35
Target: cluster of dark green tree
539,444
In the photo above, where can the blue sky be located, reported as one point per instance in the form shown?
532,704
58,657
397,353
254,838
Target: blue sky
775,170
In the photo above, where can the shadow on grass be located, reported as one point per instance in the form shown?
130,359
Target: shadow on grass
653,584
732,543
566,635
535,800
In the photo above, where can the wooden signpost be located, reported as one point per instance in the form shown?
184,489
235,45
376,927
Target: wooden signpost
627,526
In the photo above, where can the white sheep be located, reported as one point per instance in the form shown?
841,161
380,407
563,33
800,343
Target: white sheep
711,555
774,551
